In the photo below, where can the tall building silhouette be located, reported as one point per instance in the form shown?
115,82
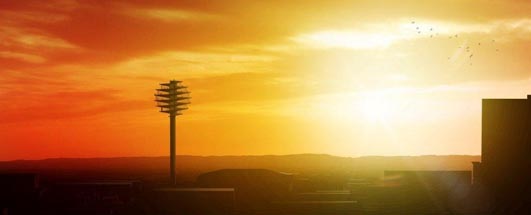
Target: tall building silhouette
505,167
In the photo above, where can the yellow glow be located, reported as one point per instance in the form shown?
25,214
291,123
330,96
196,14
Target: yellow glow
353,40
381,107
376,109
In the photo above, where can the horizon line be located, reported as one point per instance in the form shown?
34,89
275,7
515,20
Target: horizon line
229,155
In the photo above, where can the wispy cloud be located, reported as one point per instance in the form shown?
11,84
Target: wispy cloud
20,17
382,35
194,64
170,15
21,56
30,38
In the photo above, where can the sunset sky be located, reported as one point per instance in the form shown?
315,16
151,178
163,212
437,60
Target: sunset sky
347,78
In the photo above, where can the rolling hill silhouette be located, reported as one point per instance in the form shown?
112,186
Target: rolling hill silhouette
189,167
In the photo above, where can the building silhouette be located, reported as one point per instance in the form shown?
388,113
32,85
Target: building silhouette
505,168
254,188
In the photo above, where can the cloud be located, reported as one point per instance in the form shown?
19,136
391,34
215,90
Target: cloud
21,105
21,37
25,17
170,15
24,47
194,64
21,56
383,35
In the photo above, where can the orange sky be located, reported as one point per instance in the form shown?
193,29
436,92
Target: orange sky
347,78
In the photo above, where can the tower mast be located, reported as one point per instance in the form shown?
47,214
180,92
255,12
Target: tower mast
172,98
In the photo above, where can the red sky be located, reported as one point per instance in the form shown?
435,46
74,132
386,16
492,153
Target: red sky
347,78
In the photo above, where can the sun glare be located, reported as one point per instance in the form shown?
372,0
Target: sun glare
364,108
376,109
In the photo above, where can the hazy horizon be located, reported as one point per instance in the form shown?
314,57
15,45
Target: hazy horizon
246,155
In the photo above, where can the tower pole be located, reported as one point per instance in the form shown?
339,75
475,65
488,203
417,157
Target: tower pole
172,150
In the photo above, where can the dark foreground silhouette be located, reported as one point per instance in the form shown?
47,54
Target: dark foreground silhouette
291,184
254,191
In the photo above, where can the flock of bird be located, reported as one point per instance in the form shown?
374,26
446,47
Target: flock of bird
465,46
